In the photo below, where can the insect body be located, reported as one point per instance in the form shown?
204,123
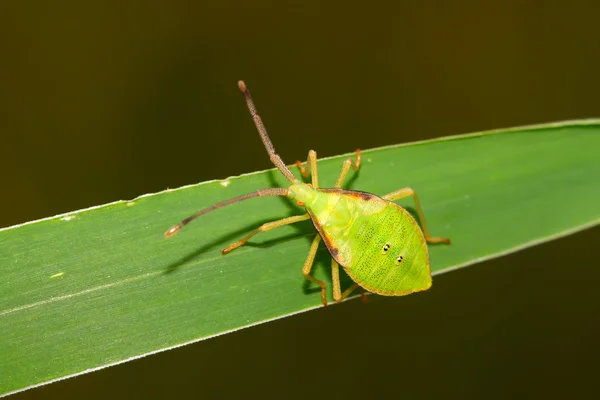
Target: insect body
377,242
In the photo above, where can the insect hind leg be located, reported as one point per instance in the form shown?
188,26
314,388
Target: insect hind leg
405,192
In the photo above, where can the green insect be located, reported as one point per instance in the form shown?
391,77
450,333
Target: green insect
377,242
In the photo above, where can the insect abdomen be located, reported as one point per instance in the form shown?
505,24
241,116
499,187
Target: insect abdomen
391,256
357,226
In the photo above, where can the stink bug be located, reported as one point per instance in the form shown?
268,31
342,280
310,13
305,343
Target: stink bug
377,242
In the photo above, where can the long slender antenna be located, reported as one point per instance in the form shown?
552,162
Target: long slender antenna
275,158
259,193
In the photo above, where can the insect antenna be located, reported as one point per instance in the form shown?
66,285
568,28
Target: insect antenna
262,131
259,193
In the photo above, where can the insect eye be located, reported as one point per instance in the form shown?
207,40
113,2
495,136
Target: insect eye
399,259
386,248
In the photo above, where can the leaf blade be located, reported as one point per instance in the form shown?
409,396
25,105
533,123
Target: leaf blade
100,286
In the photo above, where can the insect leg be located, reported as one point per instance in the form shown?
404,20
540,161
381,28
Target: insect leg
346,167
266,227
337,291
308,266
405,192
312,162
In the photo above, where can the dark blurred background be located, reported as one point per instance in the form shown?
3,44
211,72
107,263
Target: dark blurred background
101,101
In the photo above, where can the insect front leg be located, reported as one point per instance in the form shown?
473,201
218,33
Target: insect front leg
346,167
405,192
266,227
311,161
310,259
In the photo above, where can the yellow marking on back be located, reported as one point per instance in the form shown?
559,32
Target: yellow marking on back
351,223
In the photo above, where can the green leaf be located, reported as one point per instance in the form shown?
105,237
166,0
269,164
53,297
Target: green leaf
101,286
